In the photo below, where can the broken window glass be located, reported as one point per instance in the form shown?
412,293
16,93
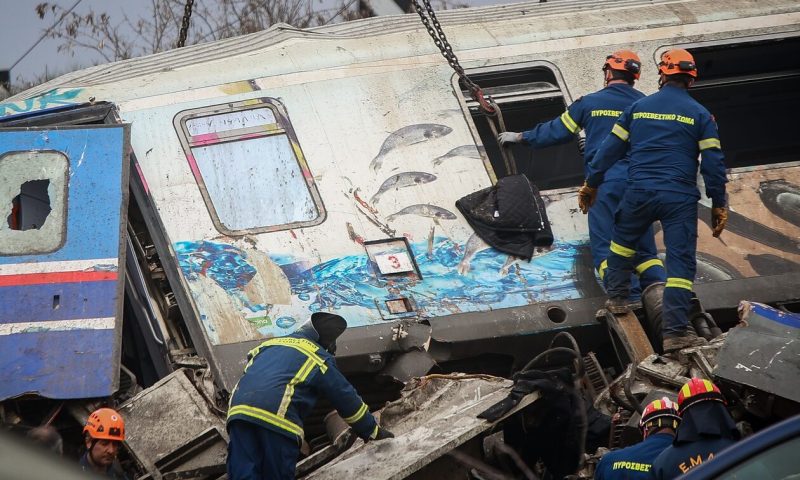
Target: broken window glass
33,202
249,167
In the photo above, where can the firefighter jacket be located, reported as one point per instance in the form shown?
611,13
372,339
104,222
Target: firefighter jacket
282,380
665,131
706,429
634,462
595,113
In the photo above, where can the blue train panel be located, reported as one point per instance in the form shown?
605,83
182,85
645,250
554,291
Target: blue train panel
63,198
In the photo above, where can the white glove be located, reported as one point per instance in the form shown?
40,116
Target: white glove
509,137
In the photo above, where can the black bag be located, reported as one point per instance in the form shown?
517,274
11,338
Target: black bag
509,216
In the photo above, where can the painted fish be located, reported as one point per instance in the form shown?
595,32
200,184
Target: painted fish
402,180
713,269
466,151
409,135
782,199
424,210
474,245
767,264
741,225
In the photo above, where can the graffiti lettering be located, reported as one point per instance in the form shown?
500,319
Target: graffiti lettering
52,98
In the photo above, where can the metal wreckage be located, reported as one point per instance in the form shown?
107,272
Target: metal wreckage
142,254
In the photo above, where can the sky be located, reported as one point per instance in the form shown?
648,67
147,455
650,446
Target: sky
22,28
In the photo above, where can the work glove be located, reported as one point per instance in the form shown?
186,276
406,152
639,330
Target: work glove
509,137
586,197
719,217
382,434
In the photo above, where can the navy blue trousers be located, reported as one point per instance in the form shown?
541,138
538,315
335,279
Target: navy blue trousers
257,453
678,216
646,265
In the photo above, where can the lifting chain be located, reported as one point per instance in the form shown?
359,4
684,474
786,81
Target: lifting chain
187,15
487,105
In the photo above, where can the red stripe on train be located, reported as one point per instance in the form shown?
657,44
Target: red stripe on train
55,277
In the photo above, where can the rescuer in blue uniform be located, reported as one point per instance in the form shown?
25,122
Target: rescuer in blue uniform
665,132
658,424
279,388
706,429
596,114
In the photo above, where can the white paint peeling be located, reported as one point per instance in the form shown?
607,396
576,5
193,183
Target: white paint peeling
107,264
105,323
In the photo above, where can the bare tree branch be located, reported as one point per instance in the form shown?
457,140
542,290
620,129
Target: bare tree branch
158,30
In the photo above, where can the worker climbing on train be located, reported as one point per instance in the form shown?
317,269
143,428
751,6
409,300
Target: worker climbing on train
658,424
282,379
103,435
595,114
706,428
664,133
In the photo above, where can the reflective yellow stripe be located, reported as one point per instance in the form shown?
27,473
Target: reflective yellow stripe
622,251
709,143
374,433
306,347
267,417
686,392
620,132
362,410
676,282
601,270
640,269
708,385
300,377
571,125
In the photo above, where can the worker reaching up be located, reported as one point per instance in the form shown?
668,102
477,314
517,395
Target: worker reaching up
282,379
664,133
595,114
658,424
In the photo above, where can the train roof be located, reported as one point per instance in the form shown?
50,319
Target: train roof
283,49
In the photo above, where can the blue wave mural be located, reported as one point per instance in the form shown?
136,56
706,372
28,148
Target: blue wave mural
350,284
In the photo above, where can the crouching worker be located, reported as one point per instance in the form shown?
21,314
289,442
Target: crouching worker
103,434
706,429
658,424
280,385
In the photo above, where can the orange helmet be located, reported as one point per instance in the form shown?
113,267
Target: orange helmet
625,61
660,413
105,424
677,61
698,390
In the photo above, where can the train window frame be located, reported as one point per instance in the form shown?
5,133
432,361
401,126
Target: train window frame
281,127
732,162
559,91
52,234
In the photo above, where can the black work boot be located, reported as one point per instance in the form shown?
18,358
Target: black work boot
673,343
618,305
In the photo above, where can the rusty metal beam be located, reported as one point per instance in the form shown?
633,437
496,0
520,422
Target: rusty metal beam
631,334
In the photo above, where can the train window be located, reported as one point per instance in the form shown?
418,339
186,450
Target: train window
33,202
527,96
249,167
751,89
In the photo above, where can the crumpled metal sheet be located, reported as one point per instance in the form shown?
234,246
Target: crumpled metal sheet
763,351
434,416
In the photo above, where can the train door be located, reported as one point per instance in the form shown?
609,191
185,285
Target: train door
63,198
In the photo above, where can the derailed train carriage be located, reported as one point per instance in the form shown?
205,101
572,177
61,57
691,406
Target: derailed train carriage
174,210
